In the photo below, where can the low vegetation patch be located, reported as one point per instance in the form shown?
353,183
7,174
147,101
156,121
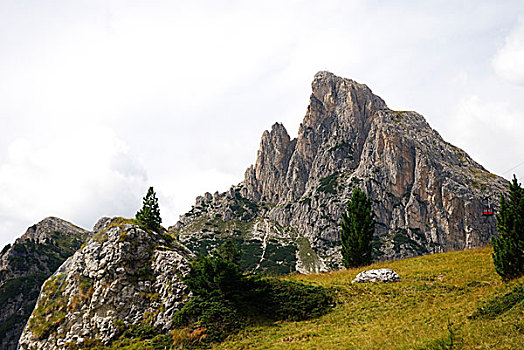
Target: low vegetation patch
329,183
225,300
500,304
51,309
119,222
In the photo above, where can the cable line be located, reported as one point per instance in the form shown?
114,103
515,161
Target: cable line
515,167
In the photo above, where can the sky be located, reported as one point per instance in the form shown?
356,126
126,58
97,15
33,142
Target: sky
101,99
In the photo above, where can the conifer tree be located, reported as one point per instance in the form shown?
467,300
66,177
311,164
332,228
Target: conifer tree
508,248
149,216
357,229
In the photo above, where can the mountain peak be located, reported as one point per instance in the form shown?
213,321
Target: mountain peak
331,89
40,232
25,265
427,193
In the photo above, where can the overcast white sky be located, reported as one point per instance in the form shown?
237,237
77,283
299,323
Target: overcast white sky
101,99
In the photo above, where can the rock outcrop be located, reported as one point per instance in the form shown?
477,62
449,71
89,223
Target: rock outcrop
380,275
25,265
427,194
123,276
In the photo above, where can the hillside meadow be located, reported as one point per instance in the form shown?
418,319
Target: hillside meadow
450,300
445,301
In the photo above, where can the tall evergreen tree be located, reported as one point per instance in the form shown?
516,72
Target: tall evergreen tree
149,216
508,248
357,229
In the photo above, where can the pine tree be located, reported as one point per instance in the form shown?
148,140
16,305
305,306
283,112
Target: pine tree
508,248
357,229
149,216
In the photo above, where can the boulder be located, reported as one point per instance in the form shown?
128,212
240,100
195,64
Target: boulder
380,275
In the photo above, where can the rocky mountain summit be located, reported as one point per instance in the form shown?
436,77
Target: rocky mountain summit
428,194
25,265
124,276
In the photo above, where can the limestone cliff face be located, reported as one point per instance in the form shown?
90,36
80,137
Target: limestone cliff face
25,265
272,165
123,276
337,119
427,193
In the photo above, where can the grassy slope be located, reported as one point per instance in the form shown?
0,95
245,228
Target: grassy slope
412,314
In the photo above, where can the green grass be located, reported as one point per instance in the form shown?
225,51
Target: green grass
500,304
429,307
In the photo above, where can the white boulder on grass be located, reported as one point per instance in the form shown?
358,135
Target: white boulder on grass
380,275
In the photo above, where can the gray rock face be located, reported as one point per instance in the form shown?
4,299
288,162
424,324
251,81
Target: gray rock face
336,123
25,266
122,276
380,275
270,171
427,193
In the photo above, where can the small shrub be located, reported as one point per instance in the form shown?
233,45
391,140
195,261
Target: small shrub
216,315
145,273
140,331
162,341
188,337
285,300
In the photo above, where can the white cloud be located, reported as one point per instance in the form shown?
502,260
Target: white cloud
77,173
92,93
492,131
509,59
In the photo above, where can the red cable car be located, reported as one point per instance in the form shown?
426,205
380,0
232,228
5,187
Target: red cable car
488,210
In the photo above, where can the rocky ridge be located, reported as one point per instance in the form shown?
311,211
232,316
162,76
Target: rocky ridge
427,193
25,265
124,276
